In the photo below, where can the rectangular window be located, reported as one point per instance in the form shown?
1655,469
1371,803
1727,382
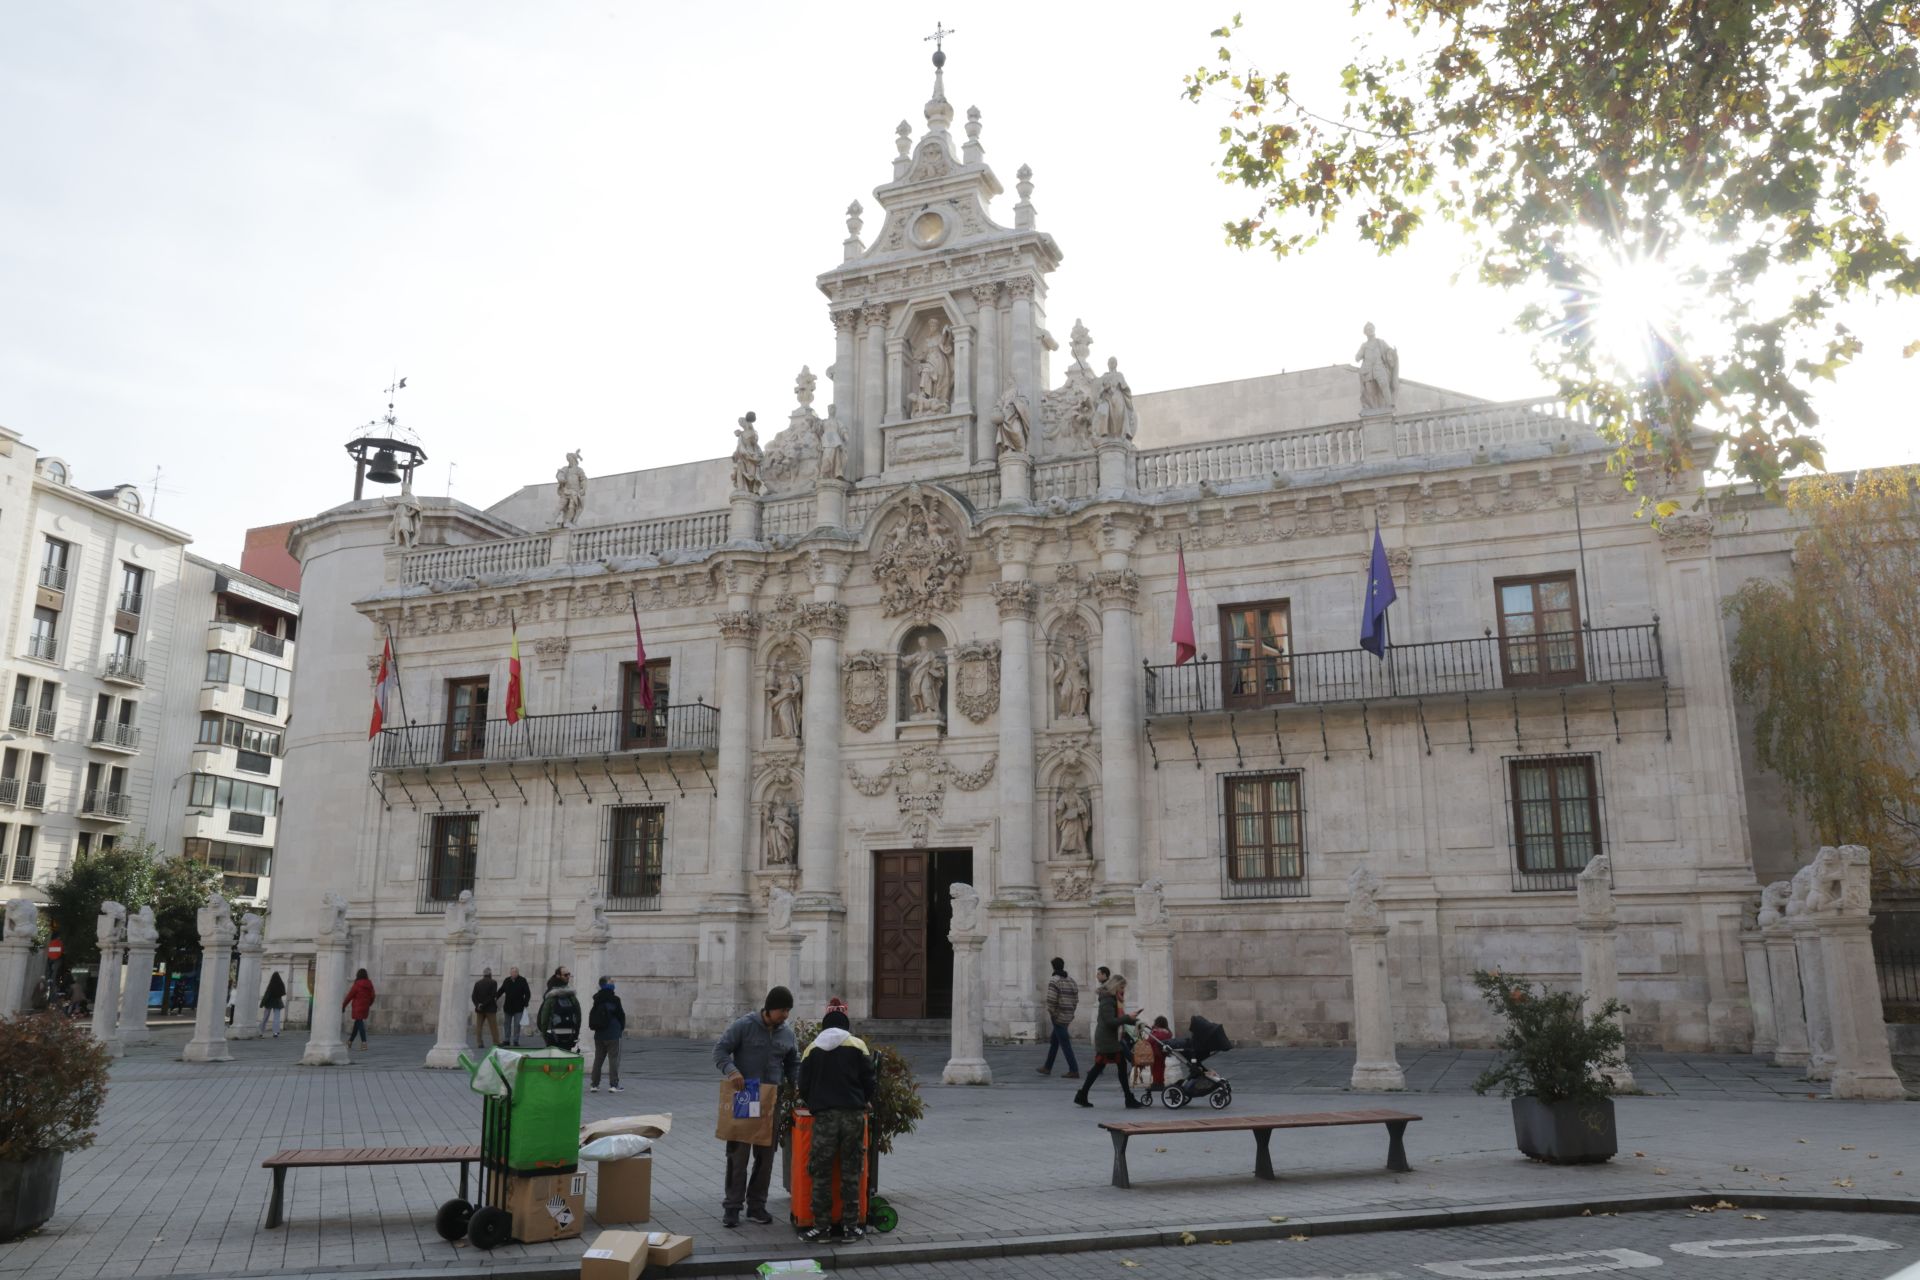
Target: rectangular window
53,565
44,642
265,703
83,844
1266,841
219,665
636,847
22,718
241,866
133,586
639,727
1258,639
122,649
466,737
252,737
1540,630
23,855
210,791
252,761
37,780
49,714
1556,818
211,727
452,853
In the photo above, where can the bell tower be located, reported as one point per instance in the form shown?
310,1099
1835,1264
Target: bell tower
944,314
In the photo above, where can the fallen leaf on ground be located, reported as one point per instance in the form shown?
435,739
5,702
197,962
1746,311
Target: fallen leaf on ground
1297,1239
1159,1151
1845,1147
1187,1237
1128,1262
1640,1155
1725,1204
1802,1139
1277,1217
1843,1182
1661,1172
1586,1213
1223,1242
1873,1155
1754,1217
1740,1168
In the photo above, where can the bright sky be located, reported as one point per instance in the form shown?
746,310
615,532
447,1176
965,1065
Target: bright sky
224,226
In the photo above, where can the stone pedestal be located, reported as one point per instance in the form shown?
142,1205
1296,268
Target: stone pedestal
111,930
1153,977
1813,996
1753,951
967,1063
136,988
246,986
456,1009
209,1043
325,1047
830,504
1116,466
1600,952
1013,978
1783,983
1839,908
1375,1068
1016,479
745,524
719,967
16,970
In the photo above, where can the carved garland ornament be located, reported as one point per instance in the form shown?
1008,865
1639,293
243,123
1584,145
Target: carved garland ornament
976,685
919,777
863,686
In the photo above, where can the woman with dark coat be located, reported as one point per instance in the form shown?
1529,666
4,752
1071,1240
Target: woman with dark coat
1107,1049
273,1005
360,997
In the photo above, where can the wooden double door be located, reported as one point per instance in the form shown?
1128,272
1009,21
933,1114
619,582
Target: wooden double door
912,959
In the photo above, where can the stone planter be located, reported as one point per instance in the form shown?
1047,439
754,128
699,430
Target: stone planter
28,1190
1565,1132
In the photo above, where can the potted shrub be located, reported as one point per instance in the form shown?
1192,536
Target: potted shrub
896,1109
53,1081
1551,1056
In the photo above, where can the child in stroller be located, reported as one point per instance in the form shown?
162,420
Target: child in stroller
1202,1041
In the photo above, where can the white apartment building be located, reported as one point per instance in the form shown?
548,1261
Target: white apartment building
93,584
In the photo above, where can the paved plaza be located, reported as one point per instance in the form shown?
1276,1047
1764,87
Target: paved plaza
174,1187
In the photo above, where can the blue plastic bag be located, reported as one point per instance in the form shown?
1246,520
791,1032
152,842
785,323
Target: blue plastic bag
746,1101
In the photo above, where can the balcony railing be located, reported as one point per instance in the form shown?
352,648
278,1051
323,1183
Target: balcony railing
1598,655
46,648
130,601
101,803
9,790
36,795
266,643
247,824
53,577
688,726
22,717
124,667
45,722
111,733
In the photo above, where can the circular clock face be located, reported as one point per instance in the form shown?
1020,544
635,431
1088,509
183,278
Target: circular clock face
929,229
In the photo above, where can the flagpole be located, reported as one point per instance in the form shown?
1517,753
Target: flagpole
400,688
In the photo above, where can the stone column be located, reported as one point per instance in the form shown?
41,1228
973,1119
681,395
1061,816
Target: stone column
246,982
1013,1007
1022,343
1599,953
963,372
209,1043
783,958
830,504
743,523
325,1048
845,395
591,931
142,939
1375,1068
719,958
1153,936
456,979
16,955
1840,907
1783,977
820,908
1116,463
1119,831
1753,951
1813,979
896,378
987,381
967,1063
873,391
111,931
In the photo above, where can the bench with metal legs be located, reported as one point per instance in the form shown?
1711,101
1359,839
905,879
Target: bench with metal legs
357,1157
1262,1128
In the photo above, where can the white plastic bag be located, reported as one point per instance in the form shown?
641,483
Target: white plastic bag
616,1146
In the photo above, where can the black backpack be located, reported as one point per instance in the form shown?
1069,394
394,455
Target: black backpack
597,1019
565,1016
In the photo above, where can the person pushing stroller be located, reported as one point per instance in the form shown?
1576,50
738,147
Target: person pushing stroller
1107,1049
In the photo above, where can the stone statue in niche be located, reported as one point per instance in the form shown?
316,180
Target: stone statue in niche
926,669
966,908
1072,680
746,457
1379,373
403,528
833,450
782,834
933,375
572,490
1072,822
779,910
1113,415
785,692
1013,423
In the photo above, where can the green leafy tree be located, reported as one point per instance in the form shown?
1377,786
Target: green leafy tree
122,874
180,889
1830,659
1722,150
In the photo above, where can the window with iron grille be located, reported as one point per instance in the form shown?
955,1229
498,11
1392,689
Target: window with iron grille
1553,806
1266,835
450,858
632,865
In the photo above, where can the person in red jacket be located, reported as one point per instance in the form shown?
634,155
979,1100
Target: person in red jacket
360,997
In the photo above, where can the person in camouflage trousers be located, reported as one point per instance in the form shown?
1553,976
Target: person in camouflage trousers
837,1084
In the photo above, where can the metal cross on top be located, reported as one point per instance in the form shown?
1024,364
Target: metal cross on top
940,33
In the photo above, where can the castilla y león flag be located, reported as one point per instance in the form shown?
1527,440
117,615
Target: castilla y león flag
516,692
382,687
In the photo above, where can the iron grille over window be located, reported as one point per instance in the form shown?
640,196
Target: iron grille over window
631,864
1553,807
1265,821
448,861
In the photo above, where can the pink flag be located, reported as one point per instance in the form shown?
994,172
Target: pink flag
640,658
1184,645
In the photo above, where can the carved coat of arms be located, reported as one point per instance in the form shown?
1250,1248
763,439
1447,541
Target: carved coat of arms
921,561
863,685
976,684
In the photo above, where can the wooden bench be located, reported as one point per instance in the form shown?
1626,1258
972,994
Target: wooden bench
357,1157
1262,1128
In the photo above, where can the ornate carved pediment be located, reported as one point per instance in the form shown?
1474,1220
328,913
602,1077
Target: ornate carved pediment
930,162
863,686
919,777
920,559
976,680
1685,534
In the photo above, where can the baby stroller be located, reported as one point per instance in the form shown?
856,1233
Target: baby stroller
1202,1041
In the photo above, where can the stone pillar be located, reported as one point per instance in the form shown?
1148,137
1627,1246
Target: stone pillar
896,378
963,373
1783,977
1599,953
830,504
845,394
1016,478
1753,951
456,985
1375,1068
967,1063
16,955
719,959
1119,831
1840,907
873,391
744,523
1153,936
111,930
325,1048
1013,1007
1813,979
209,1043
1116,462
783,959
1022,343
987,381
820,907
142,939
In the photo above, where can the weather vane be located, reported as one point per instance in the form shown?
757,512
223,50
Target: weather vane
940,32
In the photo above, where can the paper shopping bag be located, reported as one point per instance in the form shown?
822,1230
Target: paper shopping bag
746,1114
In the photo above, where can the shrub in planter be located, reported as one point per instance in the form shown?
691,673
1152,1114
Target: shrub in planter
1551,1056
53,1082
896,1109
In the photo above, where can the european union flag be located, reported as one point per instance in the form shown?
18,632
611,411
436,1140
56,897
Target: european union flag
1380,594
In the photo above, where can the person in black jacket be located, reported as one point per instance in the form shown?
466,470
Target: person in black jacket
273,1005
608,1021
486,1009
515,996
837,1083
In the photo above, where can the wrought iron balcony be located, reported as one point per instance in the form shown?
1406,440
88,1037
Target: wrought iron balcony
101,803
124,668
111,733
46,648
9,790
22,717
130,601
53,577
687,726
1597,655
44,723
36,795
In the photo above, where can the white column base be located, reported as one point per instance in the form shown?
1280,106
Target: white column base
133,998
744,526
206,1051
965,1063
325,1046
1116,457
1377,1077
444,1057
246,996
1619,1079
1865,1085
966,1071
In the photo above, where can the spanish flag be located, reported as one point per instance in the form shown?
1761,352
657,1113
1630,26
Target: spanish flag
516,692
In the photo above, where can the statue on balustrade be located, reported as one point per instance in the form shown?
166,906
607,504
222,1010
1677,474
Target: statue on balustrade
572,489
746,457
1113,415
1379,374
403,528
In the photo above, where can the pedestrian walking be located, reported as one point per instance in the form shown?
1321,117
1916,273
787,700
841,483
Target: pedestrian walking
1107,1050
608,1022
360,999
273,1005
486,1007
838,1084
1063,997
515,996
559,1018
759,1046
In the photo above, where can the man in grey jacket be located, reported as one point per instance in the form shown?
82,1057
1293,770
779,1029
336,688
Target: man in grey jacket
758,1046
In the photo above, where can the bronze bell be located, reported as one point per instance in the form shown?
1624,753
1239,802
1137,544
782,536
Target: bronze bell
384,470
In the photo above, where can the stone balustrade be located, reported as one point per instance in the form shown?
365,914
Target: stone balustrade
477,559
1488,426
1257,457
648,537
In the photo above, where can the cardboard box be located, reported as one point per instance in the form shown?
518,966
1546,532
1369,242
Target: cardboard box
615,1255
650,1126
675,1249
547,1207
625,1191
